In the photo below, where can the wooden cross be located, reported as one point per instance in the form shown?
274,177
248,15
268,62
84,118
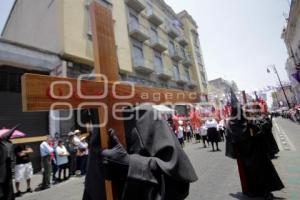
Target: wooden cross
41,93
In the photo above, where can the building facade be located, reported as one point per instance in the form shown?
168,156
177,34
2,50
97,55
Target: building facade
291,37
15,60
279,99
155,46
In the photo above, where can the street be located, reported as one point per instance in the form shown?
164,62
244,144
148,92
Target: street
218,175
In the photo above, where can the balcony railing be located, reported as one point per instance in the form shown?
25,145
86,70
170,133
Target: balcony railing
181,80
182,40
192,84
137,31
158,43
187,60
162,73
175,54
154,17
142,65
172,30
137,5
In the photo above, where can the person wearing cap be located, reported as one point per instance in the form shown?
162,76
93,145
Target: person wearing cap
83,155
72,149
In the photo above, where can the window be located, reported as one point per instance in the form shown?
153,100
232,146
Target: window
176,71
195,38
153,32
158,62
183,52
133,18
187,73
137,51
171,46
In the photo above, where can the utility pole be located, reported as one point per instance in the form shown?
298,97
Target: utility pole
276,72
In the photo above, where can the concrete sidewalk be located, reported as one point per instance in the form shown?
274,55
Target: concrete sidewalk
71,189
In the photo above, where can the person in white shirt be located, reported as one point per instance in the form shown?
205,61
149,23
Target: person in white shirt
62,159
46,151
213,132
203,133
180,135
83,155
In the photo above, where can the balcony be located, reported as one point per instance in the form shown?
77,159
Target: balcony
137,5
176,54
142,65
172,31
162,73
182,40
181,80
192,84
154,17
158,44
137,31
187,60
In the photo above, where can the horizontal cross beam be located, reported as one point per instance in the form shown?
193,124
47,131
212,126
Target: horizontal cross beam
43,93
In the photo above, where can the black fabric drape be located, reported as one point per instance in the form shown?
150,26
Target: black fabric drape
158,168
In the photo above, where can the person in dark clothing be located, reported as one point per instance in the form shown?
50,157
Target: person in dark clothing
266,126
245,142
158,168
153,166
94,187
23,167
213,133
6,186
72,149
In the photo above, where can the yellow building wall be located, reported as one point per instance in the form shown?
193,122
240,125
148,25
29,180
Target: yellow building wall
195,71
76,27
121,36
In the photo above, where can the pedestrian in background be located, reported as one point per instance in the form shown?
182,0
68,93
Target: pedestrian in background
23,168
180,133
83,155
203,133
46,151
72,149
62,159
53,144
213,133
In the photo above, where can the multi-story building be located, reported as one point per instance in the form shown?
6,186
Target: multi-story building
291,37
155,46
279,99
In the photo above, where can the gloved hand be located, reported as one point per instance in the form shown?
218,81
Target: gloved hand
116,159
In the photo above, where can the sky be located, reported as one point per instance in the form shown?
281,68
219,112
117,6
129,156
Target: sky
239,38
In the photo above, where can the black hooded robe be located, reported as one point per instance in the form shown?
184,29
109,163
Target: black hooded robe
6,187
158,169
260,175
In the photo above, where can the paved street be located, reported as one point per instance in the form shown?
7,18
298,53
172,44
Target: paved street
218,175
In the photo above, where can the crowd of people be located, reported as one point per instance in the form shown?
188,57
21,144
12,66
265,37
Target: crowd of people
210,131
249,139
60,160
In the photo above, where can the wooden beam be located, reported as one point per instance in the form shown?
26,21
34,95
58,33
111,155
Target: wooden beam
36,93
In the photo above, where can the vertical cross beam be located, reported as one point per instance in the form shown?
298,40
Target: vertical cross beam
105,62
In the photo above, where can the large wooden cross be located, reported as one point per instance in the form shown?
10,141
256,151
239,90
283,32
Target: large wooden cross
41,93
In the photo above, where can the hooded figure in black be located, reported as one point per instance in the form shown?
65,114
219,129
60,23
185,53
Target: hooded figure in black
245,142
154,166
6,187
266,126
